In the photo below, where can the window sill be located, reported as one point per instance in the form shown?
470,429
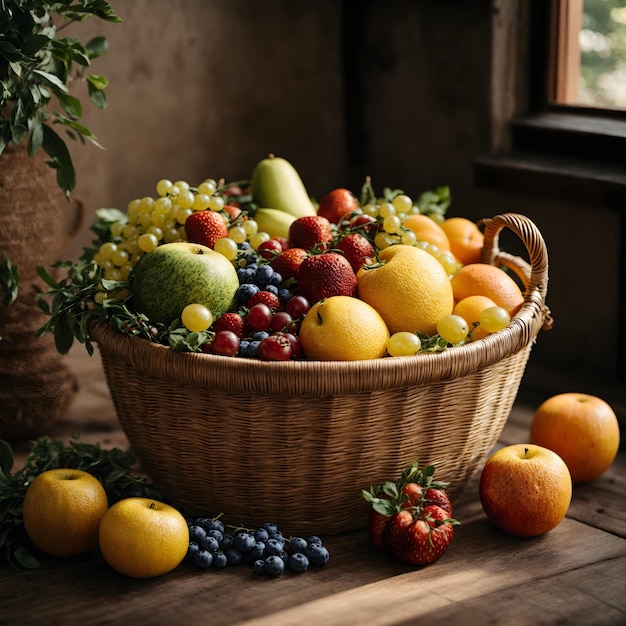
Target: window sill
576,157
554,177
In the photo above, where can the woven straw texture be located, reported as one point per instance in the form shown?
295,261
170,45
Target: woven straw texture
295,442
35,385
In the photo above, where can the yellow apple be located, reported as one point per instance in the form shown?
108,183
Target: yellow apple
62,510
142,538
525,490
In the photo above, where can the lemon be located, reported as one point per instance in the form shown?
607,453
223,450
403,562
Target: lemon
342,328
409,288
62,511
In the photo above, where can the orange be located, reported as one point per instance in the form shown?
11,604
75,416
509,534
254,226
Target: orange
582,429
342,328
482,279
465,238
62,510
409,288
426,229
470,309
143,538
525,490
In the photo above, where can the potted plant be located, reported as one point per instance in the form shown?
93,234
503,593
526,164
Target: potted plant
38,68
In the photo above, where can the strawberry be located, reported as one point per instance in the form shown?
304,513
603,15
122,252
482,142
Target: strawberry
355,247
337,204
325,275
205,227
287,263
375,526
419,535
310,231
438,497
233,322
264,297
416,493
413,493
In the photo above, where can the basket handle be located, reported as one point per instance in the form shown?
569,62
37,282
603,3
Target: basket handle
534,274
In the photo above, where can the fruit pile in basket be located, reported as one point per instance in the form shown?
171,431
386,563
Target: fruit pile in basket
259,270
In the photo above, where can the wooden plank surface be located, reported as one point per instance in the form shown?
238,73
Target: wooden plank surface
574,574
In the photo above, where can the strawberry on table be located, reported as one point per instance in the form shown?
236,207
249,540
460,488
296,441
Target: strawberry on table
411,517
419,535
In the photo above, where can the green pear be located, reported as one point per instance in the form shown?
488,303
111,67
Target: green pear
276,184
176,274
274,222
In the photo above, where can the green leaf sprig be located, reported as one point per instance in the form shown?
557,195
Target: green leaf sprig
37,65
113,468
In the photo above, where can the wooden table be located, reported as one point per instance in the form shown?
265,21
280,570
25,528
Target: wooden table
575,574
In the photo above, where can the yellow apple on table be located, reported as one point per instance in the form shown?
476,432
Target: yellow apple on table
143,538
62,511
525,489
582,429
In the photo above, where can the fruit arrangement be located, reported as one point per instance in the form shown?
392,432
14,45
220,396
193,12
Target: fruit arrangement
256,269
70,500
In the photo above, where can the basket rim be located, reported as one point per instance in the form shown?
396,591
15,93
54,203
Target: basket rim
320,378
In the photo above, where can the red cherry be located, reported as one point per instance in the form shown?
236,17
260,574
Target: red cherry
281,321
270,248
296,347
283,241
297,306
276,347
225,343
259,317
365,224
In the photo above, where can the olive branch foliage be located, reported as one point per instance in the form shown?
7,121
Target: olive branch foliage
37,67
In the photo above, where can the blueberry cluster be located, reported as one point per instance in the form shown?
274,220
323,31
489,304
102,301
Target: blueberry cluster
260,277
269,552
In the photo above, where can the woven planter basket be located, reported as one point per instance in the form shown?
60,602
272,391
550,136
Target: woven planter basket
295,442
36,224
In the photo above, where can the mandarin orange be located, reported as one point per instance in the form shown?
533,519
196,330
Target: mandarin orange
482,279
465,238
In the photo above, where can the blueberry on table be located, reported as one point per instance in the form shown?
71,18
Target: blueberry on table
203,559
298,562
274,565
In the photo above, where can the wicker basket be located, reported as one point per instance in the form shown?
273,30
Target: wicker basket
294,442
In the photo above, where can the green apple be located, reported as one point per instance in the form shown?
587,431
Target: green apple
174,275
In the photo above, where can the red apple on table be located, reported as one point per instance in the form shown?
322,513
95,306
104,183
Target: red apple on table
525,489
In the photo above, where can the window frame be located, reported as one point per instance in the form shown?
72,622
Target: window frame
570,153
